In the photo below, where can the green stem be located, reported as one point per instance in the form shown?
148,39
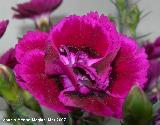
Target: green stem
42,116
127,4
79,117
121,27
68,120
120,22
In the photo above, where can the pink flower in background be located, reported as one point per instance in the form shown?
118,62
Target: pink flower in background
3,26
8,58
83,63
35,8
153,51
152,87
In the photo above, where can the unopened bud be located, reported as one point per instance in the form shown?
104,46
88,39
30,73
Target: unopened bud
9,89
30,102
137,108
43,23
6,73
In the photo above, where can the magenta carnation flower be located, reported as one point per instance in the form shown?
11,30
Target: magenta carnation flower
84,63
3,26
35,8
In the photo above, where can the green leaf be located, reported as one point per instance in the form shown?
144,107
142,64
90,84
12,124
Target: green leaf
111,18
120,5
19,113
142,36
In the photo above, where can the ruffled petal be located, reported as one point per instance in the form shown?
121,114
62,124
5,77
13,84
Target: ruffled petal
157,42
102,106
153,73
88,33
35,8
44,89
3,26
8,58
31,41
129,68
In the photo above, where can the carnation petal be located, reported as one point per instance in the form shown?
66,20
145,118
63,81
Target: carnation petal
153,73
3,26
87,33
130,68
8,58
31,41
102,106
45,90
35,8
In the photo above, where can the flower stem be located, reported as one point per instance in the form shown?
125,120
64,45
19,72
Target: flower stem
42,116
128,16
79,117
15,113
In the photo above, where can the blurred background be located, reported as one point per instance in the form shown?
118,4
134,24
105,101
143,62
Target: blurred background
149,24
16,28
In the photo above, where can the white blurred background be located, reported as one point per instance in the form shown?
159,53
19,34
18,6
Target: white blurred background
149,24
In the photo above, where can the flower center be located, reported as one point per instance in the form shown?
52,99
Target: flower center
81,60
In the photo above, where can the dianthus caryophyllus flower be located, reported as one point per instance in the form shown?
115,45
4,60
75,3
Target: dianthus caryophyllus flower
3,26
83,63
35,8
153,51
152,86
8,58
